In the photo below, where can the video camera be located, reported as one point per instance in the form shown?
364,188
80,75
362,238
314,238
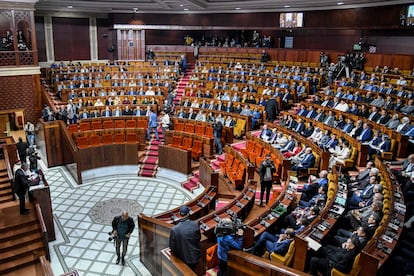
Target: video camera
112,237
232,227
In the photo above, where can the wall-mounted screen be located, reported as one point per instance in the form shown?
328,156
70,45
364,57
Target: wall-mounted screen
410,15
291,20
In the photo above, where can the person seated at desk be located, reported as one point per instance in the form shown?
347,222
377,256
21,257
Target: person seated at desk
289,145
369,217
316,135
365,194
379,145
325,138
307,162
310,189
340,153
300,218
278,244
266,133
406,170
330,257
296,150
318,200
330,144
280,140
365,181
307,132
366,133
362,233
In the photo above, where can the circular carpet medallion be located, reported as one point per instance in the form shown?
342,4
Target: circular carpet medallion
104,211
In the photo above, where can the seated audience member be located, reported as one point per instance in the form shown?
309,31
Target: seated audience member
331,143
370,218
409,108
296,218
404,125
379,146
406,171
296,150
362,233
365,173
340,153
329,257
278,244
307,162
266,133
317,200
310,189
280,141
393,122
361,184
360,196
325,138
307,132
316,135
289,145
366,133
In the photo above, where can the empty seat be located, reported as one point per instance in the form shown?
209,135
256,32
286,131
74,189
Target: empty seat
84,126
96,125
187,143
142,123
108,124
176,141
94,140
190,128
82,141
73,128
131,124
131,137
119,124
200,129
178,126
107,138
119,138
197,149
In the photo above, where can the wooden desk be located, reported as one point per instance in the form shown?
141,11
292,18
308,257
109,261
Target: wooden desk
174,159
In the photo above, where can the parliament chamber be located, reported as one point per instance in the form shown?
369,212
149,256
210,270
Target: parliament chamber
328,100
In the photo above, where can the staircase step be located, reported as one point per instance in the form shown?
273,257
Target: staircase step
4,192
19,243
5,185
22,260
6,198
17,232
13,253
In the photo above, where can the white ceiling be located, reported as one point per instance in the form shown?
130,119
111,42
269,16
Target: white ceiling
204,6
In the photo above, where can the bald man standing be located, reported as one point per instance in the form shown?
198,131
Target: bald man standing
122,227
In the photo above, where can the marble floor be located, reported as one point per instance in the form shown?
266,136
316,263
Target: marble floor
83,215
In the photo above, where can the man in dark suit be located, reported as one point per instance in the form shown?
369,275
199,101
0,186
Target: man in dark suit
185,238
330,257
374,115
300,126
271,110
107,112
95,114
22,184
384,118
366,133
191,114
307,162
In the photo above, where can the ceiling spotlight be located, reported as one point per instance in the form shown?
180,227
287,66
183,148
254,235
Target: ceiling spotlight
237,8
70,7
135,10
186,9
340,3
181,5
287,6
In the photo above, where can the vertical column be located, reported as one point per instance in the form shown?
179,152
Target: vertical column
93,38
50,51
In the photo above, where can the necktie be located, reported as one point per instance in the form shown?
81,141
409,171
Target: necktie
363,133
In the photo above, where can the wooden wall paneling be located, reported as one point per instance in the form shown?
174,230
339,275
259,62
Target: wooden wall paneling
387,60
53,143
373,60
40,38
71,38
292,55
105,38
403,62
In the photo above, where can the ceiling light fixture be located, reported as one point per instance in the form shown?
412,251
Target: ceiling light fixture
186,9
181,5
340,3
70,7
237,8
287,6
